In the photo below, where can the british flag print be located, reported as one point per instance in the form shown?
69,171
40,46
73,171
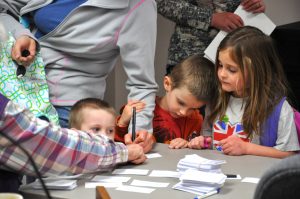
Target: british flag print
223,129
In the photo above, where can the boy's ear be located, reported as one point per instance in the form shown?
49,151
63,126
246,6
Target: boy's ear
167,83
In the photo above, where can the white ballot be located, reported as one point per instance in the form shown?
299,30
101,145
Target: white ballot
259,20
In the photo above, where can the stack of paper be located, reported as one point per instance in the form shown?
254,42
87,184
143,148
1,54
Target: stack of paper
200,182
199,163
55,184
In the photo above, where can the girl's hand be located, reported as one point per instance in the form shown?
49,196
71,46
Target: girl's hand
200,142
233,145
24,43
254,6
127,111
178,143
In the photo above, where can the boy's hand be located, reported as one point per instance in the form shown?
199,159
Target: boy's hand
24,43
178,143
144,139
127,111
136,154
233,145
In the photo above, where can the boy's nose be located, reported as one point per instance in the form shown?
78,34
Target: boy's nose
183,112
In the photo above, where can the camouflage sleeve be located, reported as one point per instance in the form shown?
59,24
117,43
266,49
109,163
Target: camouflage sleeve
185,14
232,5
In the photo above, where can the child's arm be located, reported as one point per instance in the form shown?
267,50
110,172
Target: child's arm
127,112
233,145
123,121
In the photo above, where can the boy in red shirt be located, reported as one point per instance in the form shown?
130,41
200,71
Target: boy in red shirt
190,85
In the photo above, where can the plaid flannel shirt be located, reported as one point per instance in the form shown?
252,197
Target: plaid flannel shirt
55,150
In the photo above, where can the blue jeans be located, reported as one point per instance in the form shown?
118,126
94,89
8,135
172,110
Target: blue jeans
63,114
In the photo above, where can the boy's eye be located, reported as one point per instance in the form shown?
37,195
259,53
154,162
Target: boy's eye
110,131
181,103
95,130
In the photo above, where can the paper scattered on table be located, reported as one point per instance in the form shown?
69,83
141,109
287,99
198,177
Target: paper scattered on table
131,171
250,180
259,20
199,163
55,184
104,184
153,155
101,178
143,183
135,189
65,177
165,173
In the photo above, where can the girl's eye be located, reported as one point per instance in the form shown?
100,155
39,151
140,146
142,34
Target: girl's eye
232,70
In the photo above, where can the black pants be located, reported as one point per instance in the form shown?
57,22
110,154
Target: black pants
9,181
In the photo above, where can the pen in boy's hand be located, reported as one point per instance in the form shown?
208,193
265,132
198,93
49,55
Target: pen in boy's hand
133,123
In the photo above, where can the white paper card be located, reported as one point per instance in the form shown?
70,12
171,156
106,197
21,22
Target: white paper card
153,155
135,189
259,20
131,171
100,178
93,185
251,180
164,173
143,183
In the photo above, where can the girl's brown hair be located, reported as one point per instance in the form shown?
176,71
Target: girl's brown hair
255,53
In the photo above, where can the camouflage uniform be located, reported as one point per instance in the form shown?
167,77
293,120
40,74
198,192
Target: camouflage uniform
193,32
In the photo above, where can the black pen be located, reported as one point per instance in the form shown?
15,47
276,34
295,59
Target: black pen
231,175
133,123
21,70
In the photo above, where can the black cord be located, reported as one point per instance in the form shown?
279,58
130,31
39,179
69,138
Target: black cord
31,161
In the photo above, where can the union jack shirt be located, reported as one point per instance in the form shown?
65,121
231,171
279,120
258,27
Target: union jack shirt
231,123
55,150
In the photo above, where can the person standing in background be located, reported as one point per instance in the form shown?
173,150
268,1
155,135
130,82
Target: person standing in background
199,21
80,42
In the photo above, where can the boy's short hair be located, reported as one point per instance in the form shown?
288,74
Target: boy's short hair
76,117
197,74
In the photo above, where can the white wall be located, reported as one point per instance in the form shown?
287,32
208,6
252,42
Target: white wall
279,11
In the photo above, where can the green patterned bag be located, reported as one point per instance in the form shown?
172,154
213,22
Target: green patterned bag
31,90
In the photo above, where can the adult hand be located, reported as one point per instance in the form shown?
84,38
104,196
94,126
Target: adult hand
226,21
254,6
178,143
200,142
127,111
24,43
136,154
144,139
233,145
